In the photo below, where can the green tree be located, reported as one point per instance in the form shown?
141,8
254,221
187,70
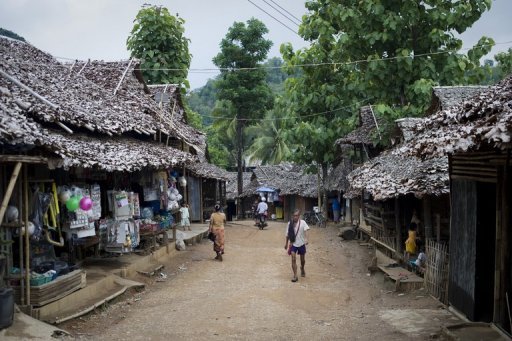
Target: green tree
504,64
243,49
269,144
157,38
203,100
383,52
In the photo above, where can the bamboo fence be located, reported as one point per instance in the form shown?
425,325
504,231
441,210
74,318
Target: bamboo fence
436,272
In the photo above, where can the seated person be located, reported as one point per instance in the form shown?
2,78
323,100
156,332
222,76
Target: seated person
421,261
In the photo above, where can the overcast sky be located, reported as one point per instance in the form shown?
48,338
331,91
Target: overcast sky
98,29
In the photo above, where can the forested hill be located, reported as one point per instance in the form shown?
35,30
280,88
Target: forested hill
202,100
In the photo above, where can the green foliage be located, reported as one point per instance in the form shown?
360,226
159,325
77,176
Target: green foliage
193,118
390,53
268,142
242,90
382,52
219,154
244,47
11,34
504,60
203,100
157,38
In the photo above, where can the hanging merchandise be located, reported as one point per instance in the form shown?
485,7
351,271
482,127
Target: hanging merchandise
40,204
182,181
96,201
134,204
11,214
150,194
162,182
122,236
86,203
73,203
64,194
121,205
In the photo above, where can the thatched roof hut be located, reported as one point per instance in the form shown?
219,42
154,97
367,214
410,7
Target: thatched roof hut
394,173
482,121
37,90
232,184
390,176
367,126
288,178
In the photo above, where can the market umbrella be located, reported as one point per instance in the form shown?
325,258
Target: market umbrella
265,189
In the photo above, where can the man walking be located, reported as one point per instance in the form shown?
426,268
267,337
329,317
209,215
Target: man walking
296,241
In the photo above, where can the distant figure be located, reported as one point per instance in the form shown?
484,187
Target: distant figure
255,212
410,243
185,217
217,221
336,208
296,241
262,206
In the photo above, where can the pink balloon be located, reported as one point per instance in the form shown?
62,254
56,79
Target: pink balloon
86,203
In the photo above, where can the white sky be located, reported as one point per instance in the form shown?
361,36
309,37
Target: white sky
98,29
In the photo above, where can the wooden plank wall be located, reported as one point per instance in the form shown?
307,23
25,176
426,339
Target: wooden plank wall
461,287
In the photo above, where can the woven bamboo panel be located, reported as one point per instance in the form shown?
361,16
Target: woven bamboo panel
436,272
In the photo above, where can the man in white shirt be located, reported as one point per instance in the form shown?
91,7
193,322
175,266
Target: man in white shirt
262,206
296,241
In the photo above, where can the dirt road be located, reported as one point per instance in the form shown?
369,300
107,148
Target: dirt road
249,296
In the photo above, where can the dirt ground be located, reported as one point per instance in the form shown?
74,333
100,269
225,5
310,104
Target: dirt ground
249,296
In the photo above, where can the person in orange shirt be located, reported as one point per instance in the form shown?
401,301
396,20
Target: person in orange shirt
410,243
217,221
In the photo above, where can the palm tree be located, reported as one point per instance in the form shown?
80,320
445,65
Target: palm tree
268,140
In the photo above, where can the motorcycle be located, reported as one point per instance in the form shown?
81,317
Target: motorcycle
262,221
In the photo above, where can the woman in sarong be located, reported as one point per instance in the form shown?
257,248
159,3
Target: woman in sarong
217,221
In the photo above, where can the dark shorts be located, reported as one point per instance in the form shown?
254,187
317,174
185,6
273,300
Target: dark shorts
301,250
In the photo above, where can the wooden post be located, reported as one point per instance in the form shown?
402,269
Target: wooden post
438,227
20,240
427,217
9,190
27,241
398,251
201,200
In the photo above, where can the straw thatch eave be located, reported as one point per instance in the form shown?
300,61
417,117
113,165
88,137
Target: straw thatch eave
389,176
482,122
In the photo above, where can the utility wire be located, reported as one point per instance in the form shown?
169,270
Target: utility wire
287,118
270,15
299,20
283,14
335,64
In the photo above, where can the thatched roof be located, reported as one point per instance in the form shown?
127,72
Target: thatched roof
207,170
389,176
289,179
81,95
363,133
168,98
232,184
23,115
80,150
482,121
337,178
394,173
445,97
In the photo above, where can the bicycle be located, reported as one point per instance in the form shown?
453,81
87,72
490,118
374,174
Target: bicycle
315,218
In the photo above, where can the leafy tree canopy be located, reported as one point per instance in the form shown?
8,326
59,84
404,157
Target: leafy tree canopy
157,38
244,47
504,60
239,84
382,52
